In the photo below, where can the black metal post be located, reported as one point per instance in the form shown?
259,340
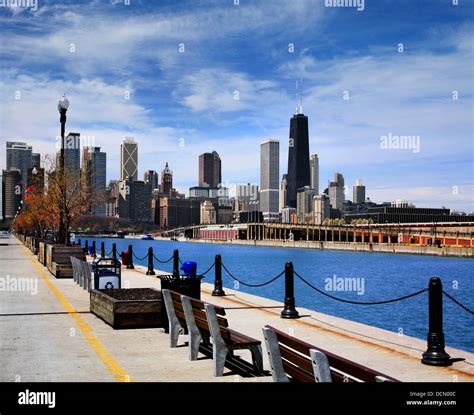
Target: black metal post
218,291
86,247
114,250
289,311
150,270
176,263
435,354
94,254
102,249
130,257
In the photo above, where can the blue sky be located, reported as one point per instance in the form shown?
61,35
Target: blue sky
182,103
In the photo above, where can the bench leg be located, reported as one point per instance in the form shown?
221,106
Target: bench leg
194,343
257,358
219,355
175,331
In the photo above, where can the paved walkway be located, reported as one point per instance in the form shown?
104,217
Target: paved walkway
48,334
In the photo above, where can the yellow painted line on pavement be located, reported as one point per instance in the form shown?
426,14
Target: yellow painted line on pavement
104,355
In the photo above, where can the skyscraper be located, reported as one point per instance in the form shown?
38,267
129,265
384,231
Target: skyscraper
19,156
305,204
314,168
336,191
210,173
298,174
269,175
151,178
12,192
358,192
134,200
246,197
72,155
166,181
94,170
283,187
36,160
129,159
321,208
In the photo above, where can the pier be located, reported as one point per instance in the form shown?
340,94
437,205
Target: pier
441,239
48,334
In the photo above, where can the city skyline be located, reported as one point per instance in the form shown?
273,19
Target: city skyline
192,107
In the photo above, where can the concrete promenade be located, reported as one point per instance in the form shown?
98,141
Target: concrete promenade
48,334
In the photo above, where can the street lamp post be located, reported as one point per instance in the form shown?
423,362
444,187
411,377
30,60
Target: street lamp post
63,105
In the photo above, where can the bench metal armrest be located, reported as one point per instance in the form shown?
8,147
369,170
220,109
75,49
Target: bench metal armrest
274,356
321,369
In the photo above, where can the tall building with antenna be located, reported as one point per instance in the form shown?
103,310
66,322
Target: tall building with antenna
298,174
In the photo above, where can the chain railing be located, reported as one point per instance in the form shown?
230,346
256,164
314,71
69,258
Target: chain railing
457,302
393,300
251,285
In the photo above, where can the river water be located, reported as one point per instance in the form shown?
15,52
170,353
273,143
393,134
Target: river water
377,277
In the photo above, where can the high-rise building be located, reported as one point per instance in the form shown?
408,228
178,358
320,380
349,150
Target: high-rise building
128,159
304,202
314,169
135,201
175,212
19,156
72,155
246,198
336,191
269,177
166,181
288,215
36,160
94,168
151,178
283,188
208,213
321,209
358,192
210,170
298,174
12,192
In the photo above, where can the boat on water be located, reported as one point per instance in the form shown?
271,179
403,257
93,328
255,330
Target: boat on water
147,237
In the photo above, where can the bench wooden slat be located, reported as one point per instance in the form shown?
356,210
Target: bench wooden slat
202,315
304,362
342,364
198,304
239,338
297,373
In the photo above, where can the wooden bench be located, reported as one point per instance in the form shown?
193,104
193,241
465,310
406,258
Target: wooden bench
206,321
292,359
175,313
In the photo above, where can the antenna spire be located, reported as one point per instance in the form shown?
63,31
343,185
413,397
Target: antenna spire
297,88
301,95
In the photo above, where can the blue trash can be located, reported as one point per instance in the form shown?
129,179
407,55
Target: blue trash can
189,268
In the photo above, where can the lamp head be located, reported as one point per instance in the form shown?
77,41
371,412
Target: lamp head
63,104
